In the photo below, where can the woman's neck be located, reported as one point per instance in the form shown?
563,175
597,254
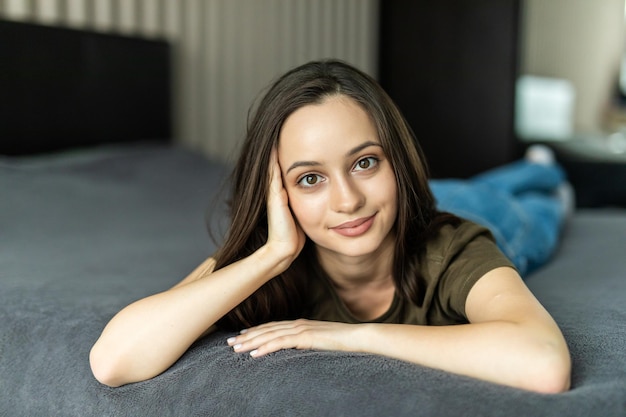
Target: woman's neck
365,284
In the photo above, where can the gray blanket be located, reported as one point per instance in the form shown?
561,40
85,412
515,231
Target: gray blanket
83,234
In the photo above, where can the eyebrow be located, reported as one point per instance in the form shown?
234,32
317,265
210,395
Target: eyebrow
351,152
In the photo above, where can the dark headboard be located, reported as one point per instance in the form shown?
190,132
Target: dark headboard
62,88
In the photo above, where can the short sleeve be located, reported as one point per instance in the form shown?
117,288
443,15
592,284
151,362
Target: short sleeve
469,253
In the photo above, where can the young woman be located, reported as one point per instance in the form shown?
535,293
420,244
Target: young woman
335,244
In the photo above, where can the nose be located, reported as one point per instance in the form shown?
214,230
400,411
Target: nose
346,197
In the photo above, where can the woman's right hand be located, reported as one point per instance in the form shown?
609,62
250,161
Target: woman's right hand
285,237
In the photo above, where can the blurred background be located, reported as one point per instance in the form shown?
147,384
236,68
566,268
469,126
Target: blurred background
478,80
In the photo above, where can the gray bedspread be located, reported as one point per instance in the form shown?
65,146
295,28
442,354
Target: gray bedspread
83,234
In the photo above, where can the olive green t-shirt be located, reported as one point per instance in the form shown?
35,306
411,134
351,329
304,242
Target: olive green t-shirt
453,261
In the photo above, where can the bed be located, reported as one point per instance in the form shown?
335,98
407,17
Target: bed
90,222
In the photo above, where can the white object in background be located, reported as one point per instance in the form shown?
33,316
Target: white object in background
543,108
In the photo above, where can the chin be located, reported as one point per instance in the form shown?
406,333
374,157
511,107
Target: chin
356,248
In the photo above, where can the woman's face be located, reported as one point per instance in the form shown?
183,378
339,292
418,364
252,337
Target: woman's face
341,187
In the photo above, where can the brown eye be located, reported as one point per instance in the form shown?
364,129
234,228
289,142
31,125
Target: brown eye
366,163
309,180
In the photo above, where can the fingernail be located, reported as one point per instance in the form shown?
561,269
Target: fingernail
254,352
244,331
230,340
237,346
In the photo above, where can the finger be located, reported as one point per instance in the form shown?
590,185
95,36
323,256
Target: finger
276,182
247,335
276,344
278,336
277,200
273,342
272,326
250,345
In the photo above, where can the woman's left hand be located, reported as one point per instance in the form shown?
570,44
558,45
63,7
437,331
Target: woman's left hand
297,334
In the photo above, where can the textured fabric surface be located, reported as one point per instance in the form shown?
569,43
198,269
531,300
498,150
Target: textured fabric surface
84,234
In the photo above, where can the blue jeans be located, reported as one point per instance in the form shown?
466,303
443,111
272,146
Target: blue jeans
517,202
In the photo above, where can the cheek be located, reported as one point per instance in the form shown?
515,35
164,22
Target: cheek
384,190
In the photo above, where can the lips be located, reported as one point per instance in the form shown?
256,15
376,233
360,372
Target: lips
355,227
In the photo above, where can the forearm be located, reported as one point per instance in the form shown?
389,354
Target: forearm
501,352
148,336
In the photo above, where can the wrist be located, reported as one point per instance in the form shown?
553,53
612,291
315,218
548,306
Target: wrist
273,258
362,336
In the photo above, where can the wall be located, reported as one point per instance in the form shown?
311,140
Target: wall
226,51
581,41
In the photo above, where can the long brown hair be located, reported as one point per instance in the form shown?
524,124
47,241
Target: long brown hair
282,297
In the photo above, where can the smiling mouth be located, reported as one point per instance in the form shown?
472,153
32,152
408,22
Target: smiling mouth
355,227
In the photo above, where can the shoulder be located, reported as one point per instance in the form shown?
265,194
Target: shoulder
454,260
454,238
